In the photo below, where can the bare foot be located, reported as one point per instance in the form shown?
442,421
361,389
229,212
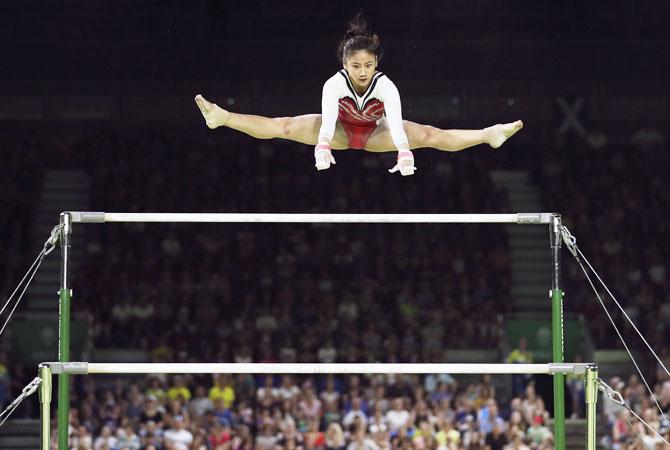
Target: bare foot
496,135
214,115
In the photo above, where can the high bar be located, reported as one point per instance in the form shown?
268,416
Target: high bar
104,217
83,368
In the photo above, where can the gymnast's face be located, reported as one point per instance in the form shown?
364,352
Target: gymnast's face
361,66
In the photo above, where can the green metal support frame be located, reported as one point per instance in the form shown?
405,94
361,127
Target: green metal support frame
557,331
559,378
64,296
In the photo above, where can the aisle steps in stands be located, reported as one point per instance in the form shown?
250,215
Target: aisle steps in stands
63,190
575,433
20,434
529,244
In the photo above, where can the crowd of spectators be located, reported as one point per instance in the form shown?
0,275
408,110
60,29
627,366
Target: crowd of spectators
355,293
326,412
613,200
288,292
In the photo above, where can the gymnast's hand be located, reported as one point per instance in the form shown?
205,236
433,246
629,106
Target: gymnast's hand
323,157
405,163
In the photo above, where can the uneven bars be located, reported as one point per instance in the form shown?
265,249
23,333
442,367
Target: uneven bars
83,368
103,217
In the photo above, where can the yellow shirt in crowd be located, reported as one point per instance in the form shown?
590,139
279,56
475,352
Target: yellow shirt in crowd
177,392
226,393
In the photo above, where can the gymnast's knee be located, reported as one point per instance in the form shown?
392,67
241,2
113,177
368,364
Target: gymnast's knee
286,128
429,136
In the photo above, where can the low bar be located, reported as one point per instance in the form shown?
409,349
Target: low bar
82,368
103,217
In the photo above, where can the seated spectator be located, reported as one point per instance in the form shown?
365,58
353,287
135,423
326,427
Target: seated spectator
219,436
243,439
516,419
432,382
155,389
266,440
359,440
81,439
517,442
355,414
442,392
471,436
475,442
447,437
378,422
177,407
520,355
177,437
288,353
151,435
287,388
310,405
314,438
621,430
135,402
496,439
127,438
423,436
223,388
267,394
529,404
179,390
334,438
200,404
327,353
488,417
331,414
222,414
398,417
422,411
330,392
538,434
105,440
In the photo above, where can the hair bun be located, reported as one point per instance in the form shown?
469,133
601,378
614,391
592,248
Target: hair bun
357,27
359,37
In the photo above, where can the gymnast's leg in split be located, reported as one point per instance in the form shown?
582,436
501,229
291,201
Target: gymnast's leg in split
305,129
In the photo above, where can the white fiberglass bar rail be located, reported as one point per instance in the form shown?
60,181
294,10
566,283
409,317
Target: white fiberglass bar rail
313,368
103,217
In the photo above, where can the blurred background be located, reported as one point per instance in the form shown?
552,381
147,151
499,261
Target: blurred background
97,113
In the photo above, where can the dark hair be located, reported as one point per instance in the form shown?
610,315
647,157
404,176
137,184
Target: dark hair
359,37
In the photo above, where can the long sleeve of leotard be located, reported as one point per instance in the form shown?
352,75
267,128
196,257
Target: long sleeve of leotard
388,93
330,97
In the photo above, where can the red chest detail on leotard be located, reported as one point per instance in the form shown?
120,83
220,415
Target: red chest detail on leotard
372,111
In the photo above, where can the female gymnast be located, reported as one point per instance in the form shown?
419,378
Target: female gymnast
360,109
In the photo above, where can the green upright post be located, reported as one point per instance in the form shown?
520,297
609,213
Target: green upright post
45,406
591,400
64,295
557,331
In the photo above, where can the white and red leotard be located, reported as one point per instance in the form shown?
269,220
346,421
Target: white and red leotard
360,114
